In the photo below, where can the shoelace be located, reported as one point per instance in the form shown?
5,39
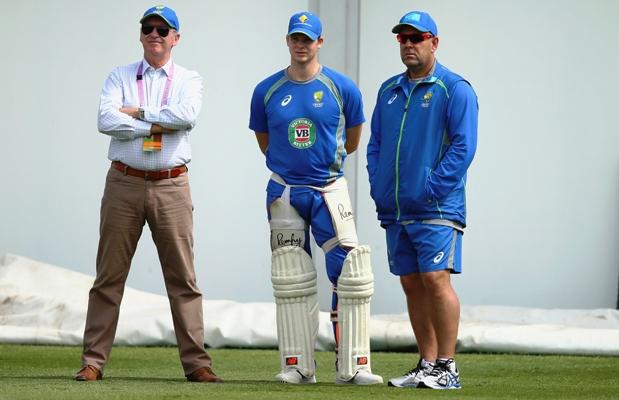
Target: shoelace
416,370
440,369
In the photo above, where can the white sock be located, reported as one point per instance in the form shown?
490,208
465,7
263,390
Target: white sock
425,363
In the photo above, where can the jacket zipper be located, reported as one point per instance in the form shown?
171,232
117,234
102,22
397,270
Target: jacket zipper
397,156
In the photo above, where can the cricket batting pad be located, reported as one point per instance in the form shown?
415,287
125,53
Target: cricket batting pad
294,286
354,290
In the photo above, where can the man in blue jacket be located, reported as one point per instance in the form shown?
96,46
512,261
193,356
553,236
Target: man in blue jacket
424,134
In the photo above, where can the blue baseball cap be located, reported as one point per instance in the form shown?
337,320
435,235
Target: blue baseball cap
419,20
165,13
306,23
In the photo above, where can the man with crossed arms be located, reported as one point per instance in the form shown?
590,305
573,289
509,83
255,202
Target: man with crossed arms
148,109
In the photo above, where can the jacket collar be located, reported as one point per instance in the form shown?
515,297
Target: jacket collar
402,79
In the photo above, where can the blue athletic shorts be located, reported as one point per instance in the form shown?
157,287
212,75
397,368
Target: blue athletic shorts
418,247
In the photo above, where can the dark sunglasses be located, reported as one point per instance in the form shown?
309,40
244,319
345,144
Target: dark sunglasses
413,37
161,30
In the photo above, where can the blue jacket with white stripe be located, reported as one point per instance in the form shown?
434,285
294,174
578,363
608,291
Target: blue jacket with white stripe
423,140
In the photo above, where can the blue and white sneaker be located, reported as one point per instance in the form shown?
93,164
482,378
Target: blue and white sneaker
444,375
412,378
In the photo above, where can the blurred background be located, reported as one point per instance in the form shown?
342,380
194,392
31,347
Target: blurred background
543,190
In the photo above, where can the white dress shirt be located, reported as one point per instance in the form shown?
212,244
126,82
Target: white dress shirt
127,133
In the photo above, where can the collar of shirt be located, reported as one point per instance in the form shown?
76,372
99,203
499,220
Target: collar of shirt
166,68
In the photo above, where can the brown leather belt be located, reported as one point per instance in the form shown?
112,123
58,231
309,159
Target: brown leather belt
149,175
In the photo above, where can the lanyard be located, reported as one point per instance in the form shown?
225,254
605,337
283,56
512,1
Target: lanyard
154,141
166,90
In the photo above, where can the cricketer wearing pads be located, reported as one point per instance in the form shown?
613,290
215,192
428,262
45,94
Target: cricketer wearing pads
307,118
424,135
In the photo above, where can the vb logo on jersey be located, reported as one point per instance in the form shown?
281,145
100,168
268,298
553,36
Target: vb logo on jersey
302,133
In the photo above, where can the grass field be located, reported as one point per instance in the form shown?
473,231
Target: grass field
44,372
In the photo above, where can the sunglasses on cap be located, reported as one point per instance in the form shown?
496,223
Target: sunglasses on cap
413,37
161,30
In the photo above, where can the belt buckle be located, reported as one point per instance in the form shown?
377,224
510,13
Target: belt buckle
148,176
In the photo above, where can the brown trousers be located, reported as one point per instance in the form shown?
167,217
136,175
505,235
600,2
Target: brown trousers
128,202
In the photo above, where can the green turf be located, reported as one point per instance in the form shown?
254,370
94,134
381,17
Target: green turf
44,372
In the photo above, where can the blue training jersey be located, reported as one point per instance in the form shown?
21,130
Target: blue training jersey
306,123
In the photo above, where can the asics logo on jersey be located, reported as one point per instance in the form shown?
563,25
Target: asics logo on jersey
392,99
286,100
438,257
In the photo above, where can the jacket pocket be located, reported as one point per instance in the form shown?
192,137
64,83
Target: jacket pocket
382,191
426,185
